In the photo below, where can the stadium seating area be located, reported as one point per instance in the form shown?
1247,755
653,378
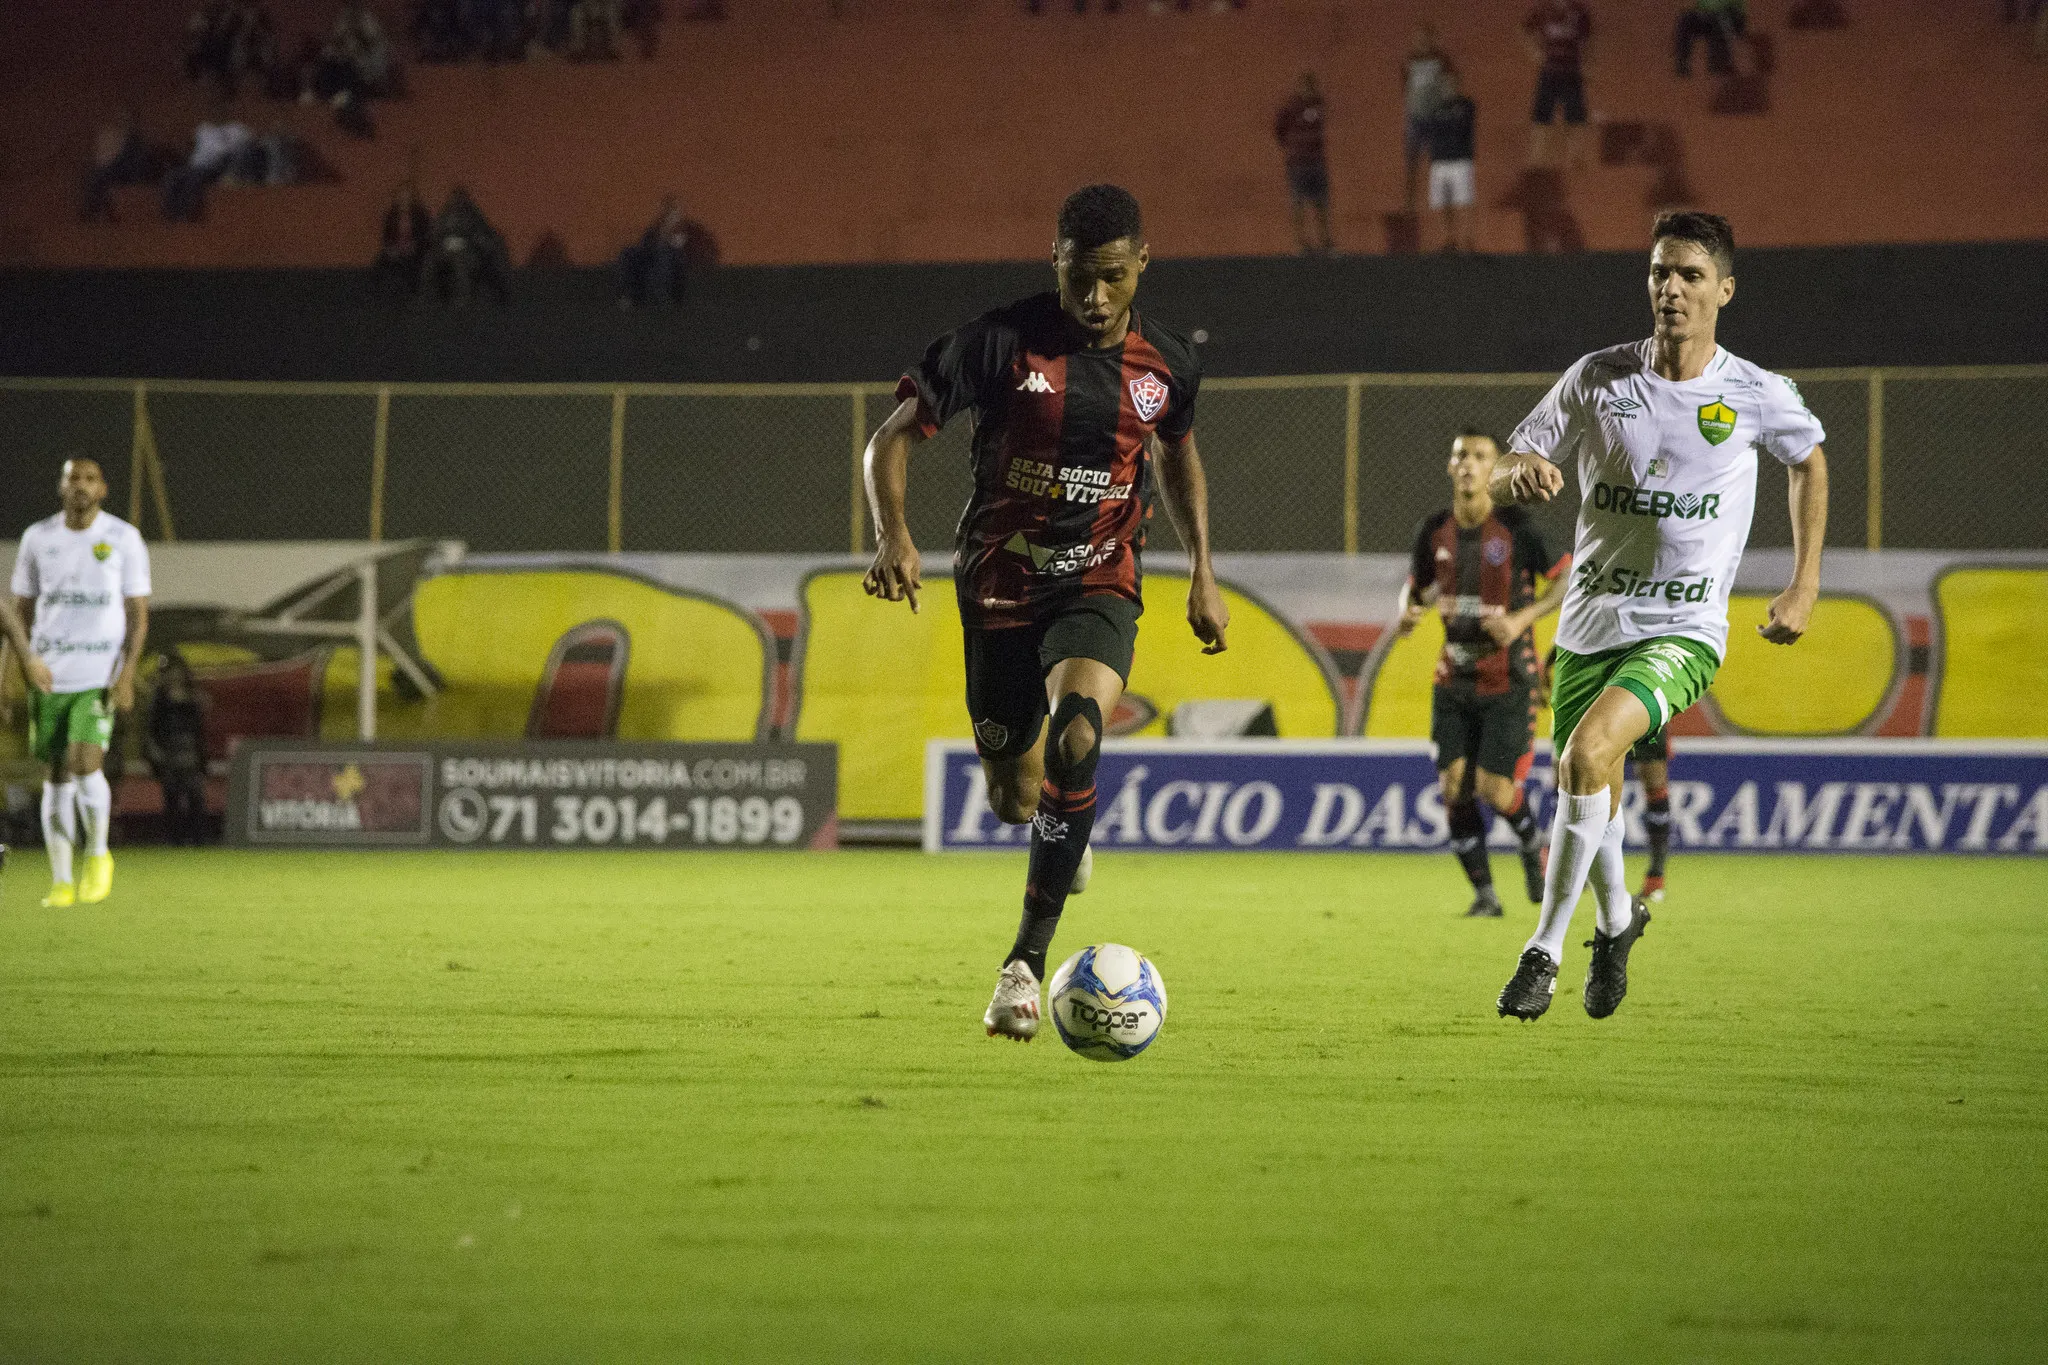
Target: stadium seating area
912,130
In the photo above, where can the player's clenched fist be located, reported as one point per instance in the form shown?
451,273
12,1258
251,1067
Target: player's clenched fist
1208,613
1789,612
1530,478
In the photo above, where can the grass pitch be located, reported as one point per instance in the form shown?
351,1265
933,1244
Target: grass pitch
611,1107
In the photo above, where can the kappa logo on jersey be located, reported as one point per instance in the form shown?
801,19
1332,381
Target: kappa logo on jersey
1036,383
1149,395
1442,554
1717,422
101,550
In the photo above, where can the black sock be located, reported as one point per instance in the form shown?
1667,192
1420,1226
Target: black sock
1468,842
1059,836
1522,820
1657,820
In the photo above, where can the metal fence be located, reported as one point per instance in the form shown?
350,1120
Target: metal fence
1919,458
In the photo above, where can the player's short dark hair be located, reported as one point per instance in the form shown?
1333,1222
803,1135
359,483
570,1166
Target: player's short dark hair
1096,215
1469,430
1707,231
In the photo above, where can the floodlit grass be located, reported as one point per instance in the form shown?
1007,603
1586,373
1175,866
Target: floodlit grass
636,1106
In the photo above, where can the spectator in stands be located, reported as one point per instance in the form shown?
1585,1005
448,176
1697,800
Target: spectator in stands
1452,186
1720,22
1421,74
465,250
402,254
328,75
1558,32
1299,127
439,30
359,38
174,742
220,148
120,156
226,40
642,19
594,27
651,270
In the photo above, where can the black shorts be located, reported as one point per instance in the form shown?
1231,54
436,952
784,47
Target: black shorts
1309,181
1495,734
1006,668
1554,88
1653,748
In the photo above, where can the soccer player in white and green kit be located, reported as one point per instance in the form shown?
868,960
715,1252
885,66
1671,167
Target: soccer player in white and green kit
81,579
1665,434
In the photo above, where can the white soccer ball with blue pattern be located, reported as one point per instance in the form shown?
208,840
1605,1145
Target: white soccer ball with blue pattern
1108,1002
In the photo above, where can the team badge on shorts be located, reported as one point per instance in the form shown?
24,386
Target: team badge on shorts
991,735
101,550
1717,422
1149,395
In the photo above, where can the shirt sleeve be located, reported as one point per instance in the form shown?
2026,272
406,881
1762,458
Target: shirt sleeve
25,570
1790,430
1422,559
1181,387
1553,427
135,567
957,371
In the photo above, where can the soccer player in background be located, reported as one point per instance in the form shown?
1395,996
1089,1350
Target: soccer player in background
1652,756
1067,389
1666,434
1480,567
81,586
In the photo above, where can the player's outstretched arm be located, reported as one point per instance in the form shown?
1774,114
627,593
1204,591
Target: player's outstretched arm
1525,476
1791,609
894,576
1185,491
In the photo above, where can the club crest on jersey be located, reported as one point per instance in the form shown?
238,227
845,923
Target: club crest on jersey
1496,552
1149,395
101,550
1717,422
991,735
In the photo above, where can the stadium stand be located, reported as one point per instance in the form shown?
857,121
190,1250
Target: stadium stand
880,683
1960,157
1993,673
569,655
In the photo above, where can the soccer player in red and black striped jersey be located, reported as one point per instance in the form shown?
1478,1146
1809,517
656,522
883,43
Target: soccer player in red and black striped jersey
1069,391
1487,573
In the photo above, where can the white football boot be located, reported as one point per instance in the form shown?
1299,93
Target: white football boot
1013,1011
1083,872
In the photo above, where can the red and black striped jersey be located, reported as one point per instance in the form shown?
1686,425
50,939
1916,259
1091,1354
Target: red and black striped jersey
1479,571
1059,450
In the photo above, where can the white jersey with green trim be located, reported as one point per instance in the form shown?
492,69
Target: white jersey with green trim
1667,484
79,580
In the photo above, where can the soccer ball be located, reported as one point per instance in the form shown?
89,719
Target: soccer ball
1107,1002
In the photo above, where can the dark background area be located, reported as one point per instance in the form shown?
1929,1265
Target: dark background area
1794,308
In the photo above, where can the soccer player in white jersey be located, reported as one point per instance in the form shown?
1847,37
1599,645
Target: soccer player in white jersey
1665,434
81,579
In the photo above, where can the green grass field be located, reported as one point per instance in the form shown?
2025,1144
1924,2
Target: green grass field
625,1107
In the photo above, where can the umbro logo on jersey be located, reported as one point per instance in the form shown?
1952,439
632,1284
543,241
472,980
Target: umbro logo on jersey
1624,407
1036,383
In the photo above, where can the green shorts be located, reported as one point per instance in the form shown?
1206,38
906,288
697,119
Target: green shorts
58,719
1666,674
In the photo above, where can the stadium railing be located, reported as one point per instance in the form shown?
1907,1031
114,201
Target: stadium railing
1920,458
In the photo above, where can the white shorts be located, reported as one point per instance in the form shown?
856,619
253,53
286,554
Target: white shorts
1450,184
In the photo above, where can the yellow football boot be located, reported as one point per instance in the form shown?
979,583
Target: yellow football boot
96,882
61,894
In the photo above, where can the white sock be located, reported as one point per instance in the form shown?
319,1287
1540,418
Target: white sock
60,827
95,811
1610,882
1575,836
